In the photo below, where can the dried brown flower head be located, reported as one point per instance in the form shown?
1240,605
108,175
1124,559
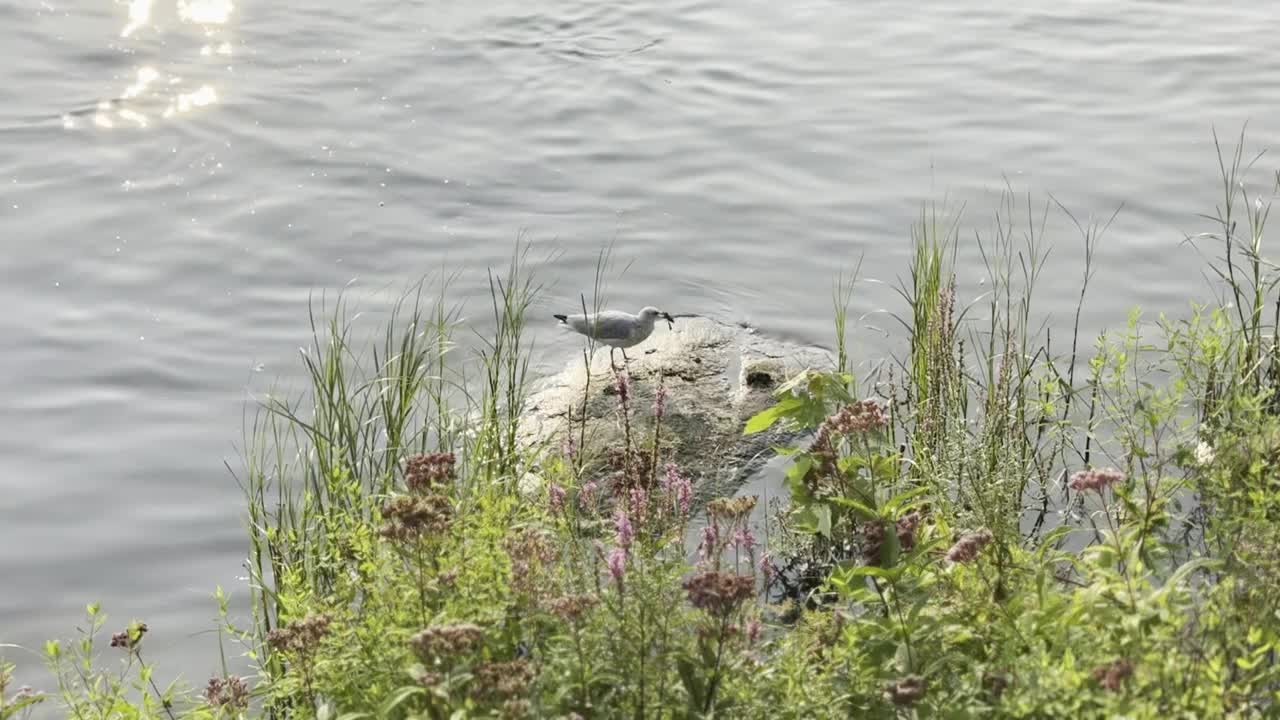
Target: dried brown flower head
530,551
515,709
227,692
719,593
409,517
440,641
906,530
1096,479
906,691
130,637
423,473
968,547
1112,675
860,417
300,636
872,541
571,608
730,510
503,679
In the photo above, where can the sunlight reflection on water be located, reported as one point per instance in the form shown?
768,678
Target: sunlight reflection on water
145,99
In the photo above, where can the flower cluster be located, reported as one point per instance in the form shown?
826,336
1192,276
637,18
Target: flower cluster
555,498
660,401
587,494
426,472
767,568
860,417
622,524
873,536
622,387
710,544
529,551
229,692
617,563
571,608
503,679
872,541
906,691
906,529
300,636
678,488
968,547
731,510
719,593
1113,674
426,510
129,637
442,640
1204,454
1096,479
638,497
409,517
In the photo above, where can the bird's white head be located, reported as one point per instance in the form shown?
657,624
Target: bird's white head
650,313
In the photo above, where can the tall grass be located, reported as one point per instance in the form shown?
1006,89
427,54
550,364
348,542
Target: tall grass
319,465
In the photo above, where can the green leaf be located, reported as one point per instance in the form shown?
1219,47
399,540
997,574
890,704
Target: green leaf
890,549
862,511
393,701
814,519
902,500
763,420
823,512
850,572
692,681
1244,664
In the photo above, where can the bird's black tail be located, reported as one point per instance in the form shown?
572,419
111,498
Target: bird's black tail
561,318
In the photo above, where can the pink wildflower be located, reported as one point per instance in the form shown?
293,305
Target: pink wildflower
555,498
1095,479
710,538
618,564
767,570
678,487
639,503
968,547
745,539
622,386
660,401
753,631
622,523
587,493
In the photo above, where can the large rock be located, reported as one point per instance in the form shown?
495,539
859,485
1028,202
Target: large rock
716,377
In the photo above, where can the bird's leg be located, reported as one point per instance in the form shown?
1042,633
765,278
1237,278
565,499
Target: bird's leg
625,359
612,364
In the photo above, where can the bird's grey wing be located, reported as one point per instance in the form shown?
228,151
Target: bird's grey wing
608,325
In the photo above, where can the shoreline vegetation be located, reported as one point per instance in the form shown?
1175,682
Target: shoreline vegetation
1003,520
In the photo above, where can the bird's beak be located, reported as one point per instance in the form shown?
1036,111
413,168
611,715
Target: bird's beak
670,320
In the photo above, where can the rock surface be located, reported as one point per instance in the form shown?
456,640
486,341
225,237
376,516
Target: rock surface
716,376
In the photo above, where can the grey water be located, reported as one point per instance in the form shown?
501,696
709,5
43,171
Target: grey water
179,178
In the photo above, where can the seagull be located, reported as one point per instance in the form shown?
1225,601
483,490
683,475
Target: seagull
615,328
